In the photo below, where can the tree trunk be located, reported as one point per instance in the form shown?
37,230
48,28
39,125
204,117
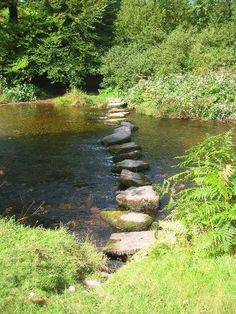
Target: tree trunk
13,12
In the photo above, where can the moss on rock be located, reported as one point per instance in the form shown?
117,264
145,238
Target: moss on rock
127,220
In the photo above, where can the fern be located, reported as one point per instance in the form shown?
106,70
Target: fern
207,202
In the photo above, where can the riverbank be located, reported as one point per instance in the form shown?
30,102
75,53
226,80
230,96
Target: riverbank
43,272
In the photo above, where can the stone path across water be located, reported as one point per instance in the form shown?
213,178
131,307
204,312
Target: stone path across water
138,203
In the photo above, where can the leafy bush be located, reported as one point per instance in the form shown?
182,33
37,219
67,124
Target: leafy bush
210,97
40,261
21,92
207,203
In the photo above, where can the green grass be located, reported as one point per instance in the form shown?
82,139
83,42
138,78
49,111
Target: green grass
76,97
175,282
45,262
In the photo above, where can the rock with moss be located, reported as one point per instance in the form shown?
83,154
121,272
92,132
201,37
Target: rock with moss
139,199
130,164
124,148
127,220
129,178
126,244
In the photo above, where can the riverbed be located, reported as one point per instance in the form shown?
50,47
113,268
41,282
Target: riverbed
54,162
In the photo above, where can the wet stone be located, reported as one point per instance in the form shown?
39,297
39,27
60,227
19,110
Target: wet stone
124,148
132,165
117,138
116,103
131,155
118,114
127,220
126,244
129,178
130,125
139,199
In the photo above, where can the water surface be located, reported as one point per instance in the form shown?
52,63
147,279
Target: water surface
53,160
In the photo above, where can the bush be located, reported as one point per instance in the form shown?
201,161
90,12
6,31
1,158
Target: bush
21,92
206,204
210,97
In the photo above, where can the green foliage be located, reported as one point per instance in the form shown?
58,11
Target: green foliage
207,203
41,261
21,92
59,40
210,97
160,38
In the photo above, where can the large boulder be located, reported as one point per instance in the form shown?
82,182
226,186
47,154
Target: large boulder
136,154
127,220
139,199
128,178
130,164
117,138
126,244
124,148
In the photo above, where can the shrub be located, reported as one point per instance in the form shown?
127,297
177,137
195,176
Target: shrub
21,92
206,205
210,97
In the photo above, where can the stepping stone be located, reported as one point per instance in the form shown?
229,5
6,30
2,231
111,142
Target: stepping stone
126,244
124,148
118,114
112,110
115,121
129,124
122,129
127,220
116,103
136,154
139,199
132,165
129,178
117,138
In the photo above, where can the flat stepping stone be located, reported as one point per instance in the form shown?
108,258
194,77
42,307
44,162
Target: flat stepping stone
115,121
139,199
116,103
136,154
132,165
122,129
129,124
118,114
112,110
127,220
124,148
117,138
129,179
126,244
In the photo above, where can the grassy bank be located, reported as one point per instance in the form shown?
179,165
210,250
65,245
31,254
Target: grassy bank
42,264
207,97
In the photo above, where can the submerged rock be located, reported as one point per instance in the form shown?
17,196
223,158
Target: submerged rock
116,102
117,138
127,244
129,178
124,148
127,220
131,155
139,199
132,165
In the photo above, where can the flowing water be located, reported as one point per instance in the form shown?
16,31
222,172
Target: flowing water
54,162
